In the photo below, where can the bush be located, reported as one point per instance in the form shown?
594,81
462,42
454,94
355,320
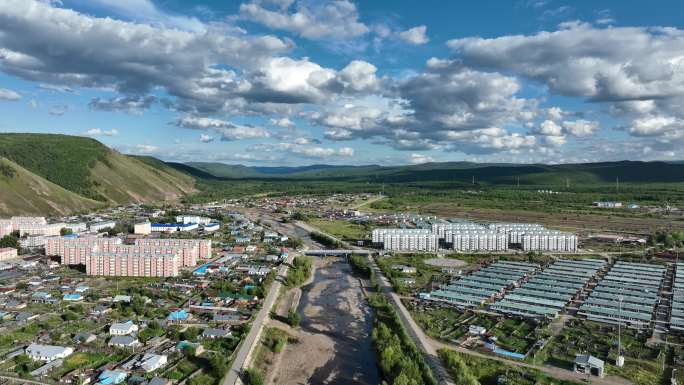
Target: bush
293,318
253,377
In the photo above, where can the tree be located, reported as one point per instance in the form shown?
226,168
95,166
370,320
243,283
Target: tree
65,231
9,241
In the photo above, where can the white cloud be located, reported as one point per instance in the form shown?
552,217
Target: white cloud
100,132
37,44
336,19
146,11
6,94
420,158
145,149
580,127
305,151
282,122
415,35
206,138
229,131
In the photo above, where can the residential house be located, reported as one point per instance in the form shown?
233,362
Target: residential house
47,352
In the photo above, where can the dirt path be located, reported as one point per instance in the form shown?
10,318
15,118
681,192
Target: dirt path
559,373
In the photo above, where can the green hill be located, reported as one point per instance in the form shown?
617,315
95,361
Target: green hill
24,192
90,172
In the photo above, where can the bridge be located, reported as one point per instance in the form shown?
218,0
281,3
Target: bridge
336,252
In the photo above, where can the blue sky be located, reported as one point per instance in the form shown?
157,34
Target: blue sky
294,82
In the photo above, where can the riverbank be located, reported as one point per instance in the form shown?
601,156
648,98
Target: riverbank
333,343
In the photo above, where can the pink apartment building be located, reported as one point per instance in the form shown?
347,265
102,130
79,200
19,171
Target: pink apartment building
116,264
145,258
8,253
74,250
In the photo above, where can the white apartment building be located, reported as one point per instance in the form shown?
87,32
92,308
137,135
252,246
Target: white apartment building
441,228
102,225
549,241
406,239
188,219
481,240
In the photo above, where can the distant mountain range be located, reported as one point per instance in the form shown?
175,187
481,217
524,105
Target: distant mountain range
60,174
494,173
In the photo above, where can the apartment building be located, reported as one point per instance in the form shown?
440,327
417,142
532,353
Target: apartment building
30,226
189,219
406,239
7,253
477,240
96,227
132,265
75,250
549,241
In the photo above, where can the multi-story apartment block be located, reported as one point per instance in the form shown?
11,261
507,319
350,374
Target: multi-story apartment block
8,253
75,250
406,239
133,264
30,226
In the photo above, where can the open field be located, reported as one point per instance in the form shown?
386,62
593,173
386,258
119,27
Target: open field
643,364
344,230
472,370
451,325
424,276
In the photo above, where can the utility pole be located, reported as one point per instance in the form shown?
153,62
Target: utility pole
620,359
617,184
473,179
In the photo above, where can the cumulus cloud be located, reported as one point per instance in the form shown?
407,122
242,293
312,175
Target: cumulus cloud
204,138
415,35
6,94
305,151
36,43
637,71
146,11
229,131
101,132
282,122
336,19
132,104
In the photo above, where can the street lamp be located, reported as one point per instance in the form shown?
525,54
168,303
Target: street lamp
620,362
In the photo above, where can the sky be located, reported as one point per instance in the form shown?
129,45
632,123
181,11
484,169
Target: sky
298,82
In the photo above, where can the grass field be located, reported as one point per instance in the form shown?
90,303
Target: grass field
449,324
344,230
425,274
467,369
642,363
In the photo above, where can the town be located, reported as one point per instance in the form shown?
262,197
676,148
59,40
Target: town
143,295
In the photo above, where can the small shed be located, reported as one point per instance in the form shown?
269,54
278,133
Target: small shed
587,364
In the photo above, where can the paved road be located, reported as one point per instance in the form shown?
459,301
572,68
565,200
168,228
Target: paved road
254,334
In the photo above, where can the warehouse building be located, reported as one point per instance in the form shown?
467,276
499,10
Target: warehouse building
406,239
677,311
627,295
477,288
548,292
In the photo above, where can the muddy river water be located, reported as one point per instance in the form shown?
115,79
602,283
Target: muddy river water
333,309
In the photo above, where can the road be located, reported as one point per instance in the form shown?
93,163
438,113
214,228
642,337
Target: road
250,342
19,380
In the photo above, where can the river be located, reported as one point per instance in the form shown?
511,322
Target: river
333,306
